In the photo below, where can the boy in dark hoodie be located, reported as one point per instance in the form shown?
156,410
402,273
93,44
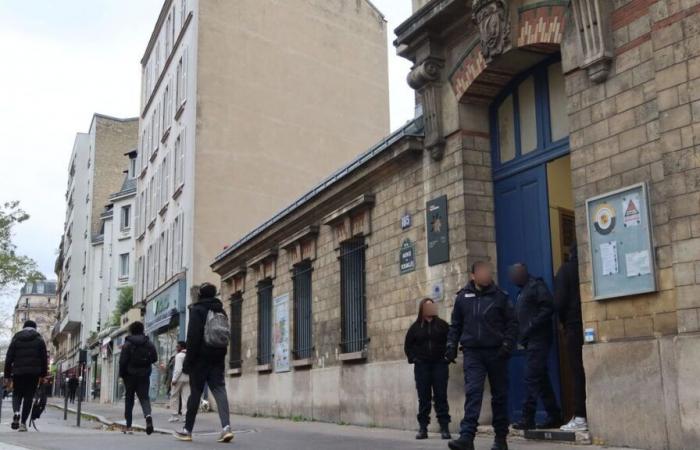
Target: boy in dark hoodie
137,357
204,364
26,363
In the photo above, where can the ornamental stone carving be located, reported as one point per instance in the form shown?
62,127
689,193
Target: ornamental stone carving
425,78
493,20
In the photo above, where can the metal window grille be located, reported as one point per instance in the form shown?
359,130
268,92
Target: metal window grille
236,317
303,339
352,293
265,321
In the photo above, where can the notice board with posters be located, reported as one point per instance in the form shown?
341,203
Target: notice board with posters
280,333
620,240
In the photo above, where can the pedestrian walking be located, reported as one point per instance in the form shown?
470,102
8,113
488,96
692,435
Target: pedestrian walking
425,345
26,363
534,309
567,301
72,387
180,382
208,335
484,325
135,363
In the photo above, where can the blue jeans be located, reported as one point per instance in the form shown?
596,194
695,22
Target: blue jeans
478,364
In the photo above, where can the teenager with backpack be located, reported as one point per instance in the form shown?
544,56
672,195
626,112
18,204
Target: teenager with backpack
137,357
208,335
26,363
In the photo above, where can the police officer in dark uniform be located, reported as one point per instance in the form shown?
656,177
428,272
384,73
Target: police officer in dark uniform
484,325
534,308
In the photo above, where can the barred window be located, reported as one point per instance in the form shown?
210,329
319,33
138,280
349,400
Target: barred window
236,317
352,296
265,321
303,339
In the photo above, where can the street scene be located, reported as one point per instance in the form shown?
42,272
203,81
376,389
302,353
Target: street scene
350,224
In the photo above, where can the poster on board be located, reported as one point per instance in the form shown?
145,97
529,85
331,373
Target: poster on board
280,334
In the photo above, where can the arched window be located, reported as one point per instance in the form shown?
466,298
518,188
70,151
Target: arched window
529,120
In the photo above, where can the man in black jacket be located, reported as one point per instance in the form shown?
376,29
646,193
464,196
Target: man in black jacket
72,387
484,325
205,365
534,308
26,363
135,362
567,301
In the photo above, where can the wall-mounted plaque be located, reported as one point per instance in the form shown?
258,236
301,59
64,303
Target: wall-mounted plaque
437,230
620,239
407,257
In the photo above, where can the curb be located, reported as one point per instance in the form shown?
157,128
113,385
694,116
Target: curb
105,421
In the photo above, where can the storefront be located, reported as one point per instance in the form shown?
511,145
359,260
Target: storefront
117,388
165,313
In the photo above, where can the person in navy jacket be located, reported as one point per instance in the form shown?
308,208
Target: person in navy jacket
485,326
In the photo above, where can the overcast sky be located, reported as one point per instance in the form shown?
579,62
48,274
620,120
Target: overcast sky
64,60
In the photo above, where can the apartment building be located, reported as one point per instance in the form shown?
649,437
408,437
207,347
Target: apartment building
95,172
37,301
245,105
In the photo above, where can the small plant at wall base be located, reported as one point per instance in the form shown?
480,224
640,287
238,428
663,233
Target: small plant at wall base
124,303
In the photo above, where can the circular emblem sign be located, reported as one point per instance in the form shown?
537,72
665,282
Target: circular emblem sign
604,218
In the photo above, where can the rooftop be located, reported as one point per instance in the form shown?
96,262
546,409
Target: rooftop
43,287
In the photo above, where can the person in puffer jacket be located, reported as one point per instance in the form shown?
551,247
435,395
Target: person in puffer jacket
26,363
485,326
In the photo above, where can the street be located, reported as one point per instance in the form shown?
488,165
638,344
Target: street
251,433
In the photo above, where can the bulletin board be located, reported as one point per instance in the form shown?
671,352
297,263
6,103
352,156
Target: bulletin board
620,239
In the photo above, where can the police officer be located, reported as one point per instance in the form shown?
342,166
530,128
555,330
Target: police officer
534,309
484,324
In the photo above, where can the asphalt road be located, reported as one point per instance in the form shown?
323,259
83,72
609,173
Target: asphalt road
251,433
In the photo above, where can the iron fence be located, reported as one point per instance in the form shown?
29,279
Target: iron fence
303,338
352,292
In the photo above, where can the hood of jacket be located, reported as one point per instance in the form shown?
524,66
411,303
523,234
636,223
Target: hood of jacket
209,303
137,339
27,334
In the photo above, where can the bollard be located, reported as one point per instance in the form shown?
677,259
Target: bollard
65,403
80,397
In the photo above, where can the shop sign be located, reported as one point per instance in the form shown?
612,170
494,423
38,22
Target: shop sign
407,257
165,305
438,231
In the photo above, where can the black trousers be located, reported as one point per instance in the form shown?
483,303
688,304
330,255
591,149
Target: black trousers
537,383
478,364
431,384
24,387
71,393
211,375
139,387
574,347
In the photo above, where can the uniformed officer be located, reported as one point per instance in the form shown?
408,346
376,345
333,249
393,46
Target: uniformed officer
484,325
534,309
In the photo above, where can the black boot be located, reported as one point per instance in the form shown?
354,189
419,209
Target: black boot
422,432
445,431
551,423
463,443
524,424
500,443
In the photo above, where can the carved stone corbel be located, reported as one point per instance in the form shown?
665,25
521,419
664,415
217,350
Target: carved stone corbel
594,35
493,20
425,78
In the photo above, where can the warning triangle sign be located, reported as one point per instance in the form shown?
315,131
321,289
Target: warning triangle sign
631,209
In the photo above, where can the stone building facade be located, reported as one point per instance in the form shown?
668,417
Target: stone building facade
38,302
529,110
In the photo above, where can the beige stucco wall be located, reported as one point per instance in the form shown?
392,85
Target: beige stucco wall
287,92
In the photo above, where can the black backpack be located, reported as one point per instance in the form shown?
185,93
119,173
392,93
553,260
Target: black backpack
141,355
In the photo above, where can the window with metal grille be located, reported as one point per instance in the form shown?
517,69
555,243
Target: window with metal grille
303,341
236,317
352,296
265,321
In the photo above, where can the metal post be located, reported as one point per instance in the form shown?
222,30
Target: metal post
2,392
81,385
65,400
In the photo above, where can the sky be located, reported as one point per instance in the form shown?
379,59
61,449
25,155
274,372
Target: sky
64,60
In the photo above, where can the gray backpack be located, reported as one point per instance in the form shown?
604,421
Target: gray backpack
216,330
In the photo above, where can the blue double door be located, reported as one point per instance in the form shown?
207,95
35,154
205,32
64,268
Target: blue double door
523,235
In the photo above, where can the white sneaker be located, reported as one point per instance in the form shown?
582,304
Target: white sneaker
174,419
576,424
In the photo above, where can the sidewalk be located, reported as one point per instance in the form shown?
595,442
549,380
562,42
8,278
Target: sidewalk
113,415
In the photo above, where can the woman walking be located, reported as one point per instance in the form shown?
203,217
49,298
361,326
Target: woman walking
425,346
